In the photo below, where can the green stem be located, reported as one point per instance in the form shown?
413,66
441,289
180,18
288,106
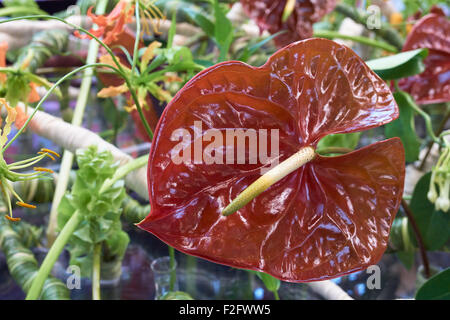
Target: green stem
138,35
53,255
437,133
330,150
364,40
47,94
173,274
417,233
96,271
18,10
67,157
422,113
275,293
191,271
139,109
124,170
172,268
427,120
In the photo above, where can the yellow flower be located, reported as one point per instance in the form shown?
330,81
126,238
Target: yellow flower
7,171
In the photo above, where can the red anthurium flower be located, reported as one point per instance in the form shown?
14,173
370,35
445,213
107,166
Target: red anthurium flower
432,85
268,14
328,218
110,26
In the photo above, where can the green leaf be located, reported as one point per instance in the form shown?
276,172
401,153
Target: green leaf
407,258
400,241
204,63
436,288
176,295
83,232
248,51
41,81
118,243
18,11
18,89
341,140
223,30
404,127
65,210
172,30
200,19
434,225
400,65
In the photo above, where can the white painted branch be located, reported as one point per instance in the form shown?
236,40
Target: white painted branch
329,290
19,33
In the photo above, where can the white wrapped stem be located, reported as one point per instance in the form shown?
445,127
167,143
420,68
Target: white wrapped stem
329,290
71,138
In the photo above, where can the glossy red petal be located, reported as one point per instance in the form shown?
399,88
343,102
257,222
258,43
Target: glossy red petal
338,221
433,85
332,89
268,16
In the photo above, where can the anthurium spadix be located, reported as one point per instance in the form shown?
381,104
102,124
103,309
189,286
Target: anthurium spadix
320,218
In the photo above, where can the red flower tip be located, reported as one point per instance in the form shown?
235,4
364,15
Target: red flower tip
268,15
432,85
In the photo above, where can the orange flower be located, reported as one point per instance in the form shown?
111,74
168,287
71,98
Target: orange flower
33,96
396,18
110,26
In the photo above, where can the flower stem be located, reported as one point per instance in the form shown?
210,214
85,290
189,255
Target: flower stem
138,35
437,133
420,243
96,271
275,293
53,255
274,175
288,9
173,274
77,119
364,40
124,170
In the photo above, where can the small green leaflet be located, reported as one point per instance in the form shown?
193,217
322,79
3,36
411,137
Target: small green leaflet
341,140
400,65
